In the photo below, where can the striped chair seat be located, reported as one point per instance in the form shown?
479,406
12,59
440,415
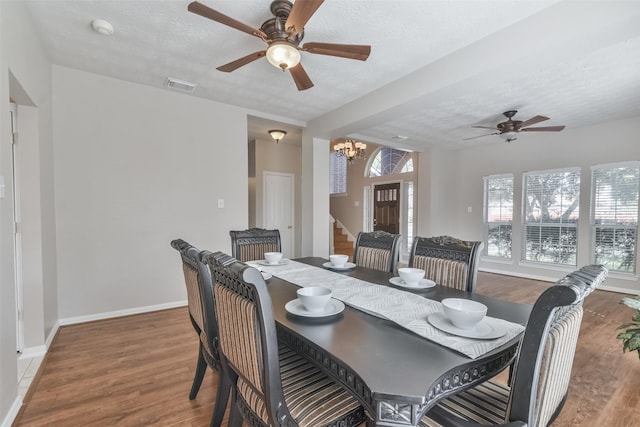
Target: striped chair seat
374,258
445,272
485,403
313,399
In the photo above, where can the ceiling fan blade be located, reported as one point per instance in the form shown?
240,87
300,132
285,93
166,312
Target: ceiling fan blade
303,82
480,136
214,15
544,129
533,121
300,13
484,127
234,65
351,51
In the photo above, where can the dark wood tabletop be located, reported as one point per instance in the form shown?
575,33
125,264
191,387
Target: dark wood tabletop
397,374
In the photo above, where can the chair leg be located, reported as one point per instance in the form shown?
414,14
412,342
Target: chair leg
222,397
235,417
201,368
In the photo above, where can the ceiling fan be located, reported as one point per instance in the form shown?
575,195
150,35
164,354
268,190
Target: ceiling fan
283,35
509,129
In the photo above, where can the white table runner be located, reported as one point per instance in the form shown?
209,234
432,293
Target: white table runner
404,308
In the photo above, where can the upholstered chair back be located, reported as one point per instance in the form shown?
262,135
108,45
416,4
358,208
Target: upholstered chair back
274,386
377,250
447,261
545,359
251,244
201,311
190,269
248,343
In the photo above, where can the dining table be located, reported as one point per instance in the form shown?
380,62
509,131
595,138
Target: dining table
395,370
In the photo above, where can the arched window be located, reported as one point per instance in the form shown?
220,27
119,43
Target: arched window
389,160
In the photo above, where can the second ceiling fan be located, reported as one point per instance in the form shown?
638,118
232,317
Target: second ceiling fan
509,129
283,35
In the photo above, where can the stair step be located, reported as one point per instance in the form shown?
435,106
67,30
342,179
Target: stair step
341,243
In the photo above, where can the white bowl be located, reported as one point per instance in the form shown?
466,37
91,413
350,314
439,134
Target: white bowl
272,257
463,313
314,298
338,260
411,276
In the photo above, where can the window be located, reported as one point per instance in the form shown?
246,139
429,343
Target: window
409,232
389,160
550,217
614,215
498,215
338,174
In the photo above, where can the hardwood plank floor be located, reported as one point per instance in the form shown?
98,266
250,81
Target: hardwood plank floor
137,370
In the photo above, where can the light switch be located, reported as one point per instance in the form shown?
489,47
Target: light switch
1,186
356,203
220,203
469,209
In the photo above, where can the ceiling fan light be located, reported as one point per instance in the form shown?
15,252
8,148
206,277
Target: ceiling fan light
283,55
509,136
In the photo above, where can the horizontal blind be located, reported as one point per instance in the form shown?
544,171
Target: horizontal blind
338,175
498,215
614,216
551,215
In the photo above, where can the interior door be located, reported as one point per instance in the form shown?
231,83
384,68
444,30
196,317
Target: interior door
386,208
17,235
278,203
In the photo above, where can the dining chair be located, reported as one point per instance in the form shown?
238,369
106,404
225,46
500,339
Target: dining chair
197,278
378,250
251,244
543,365
447,261
272,384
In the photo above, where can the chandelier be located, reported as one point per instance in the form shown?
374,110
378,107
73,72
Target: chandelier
351,149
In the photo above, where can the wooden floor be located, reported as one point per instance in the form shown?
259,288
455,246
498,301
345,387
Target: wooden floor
137,370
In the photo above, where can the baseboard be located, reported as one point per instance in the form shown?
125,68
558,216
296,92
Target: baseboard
30,352
13,412
120,313
619,290
550,279
52,335
514,274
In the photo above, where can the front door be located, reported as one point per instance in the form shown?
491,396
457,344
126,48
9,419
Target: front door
386,208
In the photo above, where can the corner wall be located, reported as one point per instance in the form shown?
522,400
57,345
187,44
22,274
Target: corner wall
25,74
135,168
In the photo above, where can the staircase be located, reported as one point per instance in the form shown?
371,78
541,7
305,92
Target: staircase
341,244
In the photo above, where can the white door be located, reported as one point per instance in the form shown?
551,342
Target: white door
278,203
17,236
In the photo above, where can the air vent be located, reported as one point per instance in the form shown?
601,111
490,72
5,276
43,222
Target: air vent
181,85
399,138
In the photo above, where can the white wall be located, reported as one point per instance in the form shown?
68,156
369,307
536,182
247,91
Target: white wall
584,147
25,75
135,168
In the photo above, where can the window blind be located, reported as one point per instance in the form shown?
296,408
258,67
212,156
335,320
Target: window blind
551,212
614,215
498,215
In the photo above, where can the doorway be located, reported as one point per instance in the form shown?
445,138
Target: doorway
386,207
278,208
17,235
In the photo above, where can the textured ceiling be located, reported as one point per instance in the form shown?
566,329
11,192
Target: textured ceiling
577,79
